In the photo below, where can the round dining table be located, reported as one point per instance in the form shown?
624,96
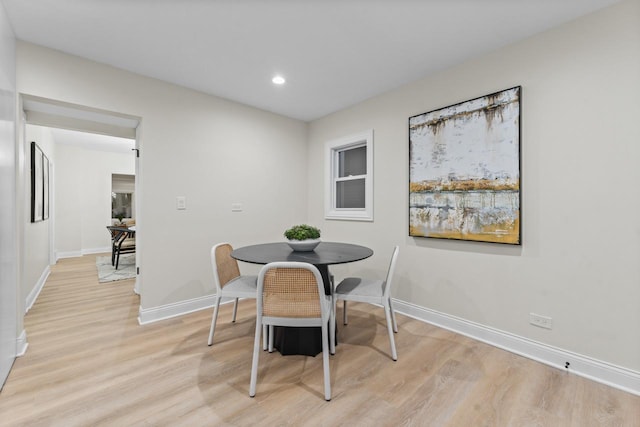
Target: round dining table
306,341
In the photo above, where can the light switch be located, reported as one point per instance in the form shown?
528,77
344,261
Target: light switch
236,207
181,203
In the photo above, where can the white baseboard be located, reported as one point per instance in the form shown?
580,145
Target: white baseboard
602,372
21,344
76,254
69,254
33,295
168,311
96,250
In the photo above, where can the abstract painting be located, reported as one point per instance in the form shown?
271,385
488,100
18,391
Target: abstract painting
464,170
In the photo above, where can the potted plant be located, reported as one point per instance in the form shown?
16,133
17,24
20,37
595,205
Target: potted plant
303,237
120,216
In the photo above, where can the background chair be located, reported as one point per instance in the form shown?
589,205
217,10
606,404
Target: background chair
115,236
122,242
371,291
229,282
292,294
126,245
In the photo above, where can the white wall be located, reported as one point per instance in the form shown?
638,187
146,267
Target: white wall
580,155
8,207
36,234
212,151
83,197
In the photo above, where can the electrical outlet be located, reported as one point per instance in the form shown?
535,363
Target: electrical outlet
541,321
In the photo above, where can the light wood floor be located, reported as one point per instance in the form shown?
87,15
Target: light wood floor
89,363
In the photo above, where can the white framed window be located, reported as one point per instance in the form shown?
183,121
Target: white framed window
349,177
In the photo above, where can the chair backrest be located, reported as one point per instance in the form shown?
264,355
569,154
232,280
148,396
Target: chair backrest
290,290
225,268
390,272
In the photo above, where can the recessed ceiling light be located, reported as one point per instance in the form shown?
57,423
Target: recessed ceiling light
278,80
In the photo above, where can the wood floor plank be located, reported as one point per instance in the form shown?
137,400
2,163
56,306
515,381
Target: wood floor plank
89,363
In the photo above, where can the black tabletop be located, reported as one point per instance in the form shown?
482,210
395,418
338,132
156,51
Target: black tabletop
326,253
121,228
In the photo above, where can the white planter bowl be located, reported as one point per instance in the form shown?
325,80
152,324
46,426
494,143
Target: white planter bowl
303,245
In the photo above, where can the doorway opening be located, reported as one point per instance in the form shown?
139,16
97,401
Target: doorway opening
88,148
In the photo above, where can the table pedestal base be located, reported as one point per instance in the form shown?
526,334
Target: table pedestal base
306,341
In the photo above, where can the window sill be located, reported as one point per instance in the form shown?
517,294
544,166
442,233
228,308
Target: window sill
349,216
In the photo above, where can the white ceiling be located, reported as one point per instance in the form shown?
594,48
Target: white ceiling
333,53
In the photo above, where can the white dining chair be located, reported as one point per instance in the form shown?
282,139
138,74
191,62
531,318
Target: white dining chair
372,291
292,294
229,283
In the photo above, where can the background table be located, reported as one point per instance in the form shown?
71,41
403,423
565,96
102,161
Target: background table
307,341
324,255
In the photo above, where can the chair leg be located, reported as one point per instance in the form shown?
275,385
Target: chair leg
235,310
256,356
393,317
270,338
344,312
387,313
265,336
117,259
332,325
325,363
214,318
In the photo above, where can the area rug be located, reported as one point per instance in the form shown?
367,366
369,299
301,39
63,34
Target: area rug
108,273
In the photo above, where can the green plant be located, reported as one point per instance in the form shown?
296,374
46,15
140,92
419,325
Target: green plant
120,215
302,232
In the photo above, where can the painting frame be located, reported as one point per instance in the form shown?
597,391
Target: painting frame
45,187
465,170
37,183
